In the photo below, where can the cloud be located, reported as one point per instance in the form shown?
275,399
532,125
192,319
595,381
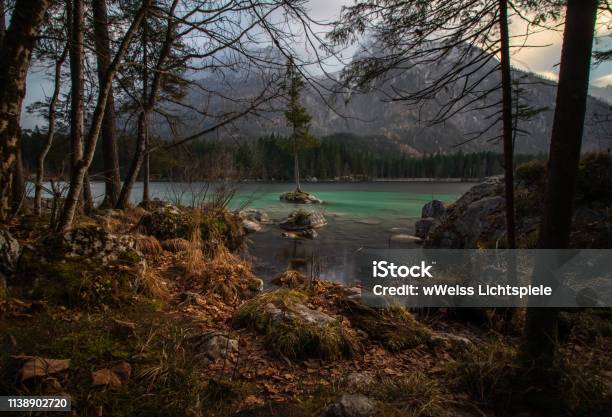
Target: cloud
603,81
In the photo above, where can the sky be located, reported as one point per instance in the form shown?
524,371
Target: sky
542,60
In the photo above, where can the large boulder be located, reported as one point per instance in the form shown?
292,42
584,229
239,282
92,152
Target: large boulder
434,209
164,223
423,226
477,218
252,220
293,329
299,197
86,266
171,222
254,215
303,220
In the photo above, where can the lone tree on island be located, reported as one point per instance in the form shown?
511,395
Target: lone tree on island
298,120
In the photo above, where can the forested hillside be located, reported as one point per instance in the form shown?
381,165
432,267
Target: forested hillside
339,156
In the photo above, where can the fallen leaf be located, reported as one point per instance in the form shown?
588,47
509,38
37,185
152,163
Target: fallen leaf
123,371
252,400
35,366
105,377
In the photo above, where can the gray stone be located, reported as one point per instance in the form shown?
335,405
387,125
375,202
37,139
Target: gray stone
251,226
213,345
254,215
350,406
299,197
359,379
450,339
405,238
301,234
303,220
9,252
435,209
297,312
422,227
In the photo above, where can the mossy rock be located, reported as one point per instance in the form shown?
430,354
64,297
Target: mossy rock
171,223
165,223
394,327
299,197
84,267
79,281
294,330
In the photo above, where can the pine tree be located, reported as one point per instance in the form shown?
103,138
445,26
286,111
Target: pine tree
298,119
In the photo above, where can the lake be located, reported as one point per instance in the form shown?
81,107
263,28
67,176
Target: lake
360,216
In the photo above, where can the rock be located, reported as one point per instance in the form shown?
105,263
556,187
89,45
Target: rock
435,209
356,405
302,234
302,220
254,215
9,252
422,227
165,223
450,339
405,238
293,329
477,216
170,222
359,379
213,345
94,242
251,226
352,293
86,266
299,197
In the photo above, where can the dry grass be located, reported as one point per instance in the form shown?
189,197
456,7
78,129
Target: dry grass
290,279
176,245
153,285
148,245
227,274
194,259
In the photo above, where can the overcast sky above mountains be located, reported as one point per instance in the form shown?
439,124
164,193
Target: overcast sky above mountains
541,60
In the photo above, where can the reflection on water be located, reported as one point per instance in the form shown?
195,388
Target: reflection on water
359,215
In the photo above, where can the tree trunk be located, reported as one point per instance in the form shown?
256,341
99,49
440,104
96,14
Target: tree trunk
506,77
566,140
2,21
112,180
78,174
18,184
15,56
146,177
42,155
130,179
296,164
77,89
149,99
145,99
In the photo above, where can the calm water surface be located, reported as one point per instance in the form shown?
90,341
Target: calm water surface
359,215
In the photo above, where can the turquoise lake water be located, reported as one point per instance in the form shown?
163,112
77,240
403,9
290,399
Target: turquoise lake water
359,215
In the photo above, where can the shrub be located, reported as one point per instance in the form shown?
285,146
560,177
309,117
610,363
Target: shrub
595,177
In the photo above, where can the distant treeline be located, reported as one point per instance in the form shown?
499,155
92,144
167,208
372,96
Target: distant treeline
269,158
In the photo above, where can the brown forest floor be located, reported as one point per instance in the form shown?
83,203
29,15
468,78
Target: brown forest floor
166,377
